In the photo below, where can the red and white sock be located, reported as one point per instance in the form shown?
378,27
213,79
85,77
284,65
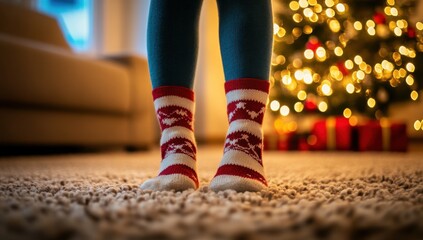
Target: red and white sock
175,111
241,168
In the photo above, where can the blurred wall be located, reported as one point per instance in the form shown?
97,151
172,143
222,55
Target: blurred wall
211,120
120,26
123,29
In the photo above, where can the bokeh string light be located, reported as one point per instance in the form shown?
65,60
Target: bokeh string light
333,57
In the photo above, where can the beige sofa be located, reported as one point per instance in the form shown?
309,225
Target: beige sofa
51,96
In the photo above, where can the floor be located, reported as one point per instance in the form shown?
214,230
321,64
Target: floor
311,196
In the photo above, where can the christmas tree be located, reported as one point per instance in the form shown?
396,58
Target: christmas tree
337,57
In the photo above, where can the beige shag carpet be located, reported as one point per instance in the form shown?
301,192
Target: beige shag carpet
311,196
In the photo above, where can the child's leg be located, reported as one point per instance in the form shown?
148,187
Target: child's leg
246,46
172,46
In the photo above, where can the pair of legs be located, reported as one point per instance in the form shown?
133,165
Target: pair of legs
245,32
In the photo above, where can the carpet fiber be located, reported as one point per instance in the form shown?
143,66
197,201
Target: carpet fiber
311,196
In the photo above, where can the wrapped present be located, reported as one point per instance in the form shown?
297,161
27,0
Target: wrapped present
333,133
270,141
280,142
383,135
303,144
287,141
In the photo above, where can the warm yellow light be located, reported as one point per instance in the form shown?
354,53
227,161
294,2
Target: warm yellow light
281,32
362,66
412,53
387,65
371,102
394,11
314,18
403,50
308,12
297,32
419,26
340,7
284,110
297,63
298,107
360,74
387,10
358,26
293,5
275,28
320,52
302,95
410,67
275,105
308,78
371,31
418,125
318,8
353,121
330,12
312,2
297,17
308,53
402,72
347,112
303,3
299,74
286,79
323,106
291,126
358,59
307,29
326,89
334,25
414,95
409,80
396,74
329,3
368,69
378,68
402,23
280,59
392,25
338,51
397,31
370,24
390,2
396,56
349,64
350,88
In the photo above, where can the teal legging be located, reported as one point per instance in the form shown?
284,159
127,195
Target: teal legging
245,32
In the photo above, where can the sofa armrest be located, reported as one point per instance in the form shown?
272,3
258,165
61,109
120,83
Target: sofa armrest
141,98
143,126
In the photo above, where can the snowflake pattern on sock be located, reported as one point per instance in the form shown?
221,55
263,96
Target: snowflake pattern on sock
174,109
174,116
245,142
241,168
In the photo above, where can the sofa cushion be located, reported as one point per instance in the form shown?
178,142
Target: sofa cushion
36,74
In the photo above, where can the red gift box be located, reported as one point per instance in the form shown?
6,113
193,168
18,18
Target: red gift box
270,142
303,144
281,142
333,133
383,135
287,141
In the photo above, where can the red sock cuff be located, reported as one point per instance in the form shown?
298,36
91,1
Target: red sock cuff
173,91
247,83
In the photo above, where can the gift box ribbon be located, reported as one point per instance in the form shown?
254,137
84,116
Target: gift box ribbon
331,133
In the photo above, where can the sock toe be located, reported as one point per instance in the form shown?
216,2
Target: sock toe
177,182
